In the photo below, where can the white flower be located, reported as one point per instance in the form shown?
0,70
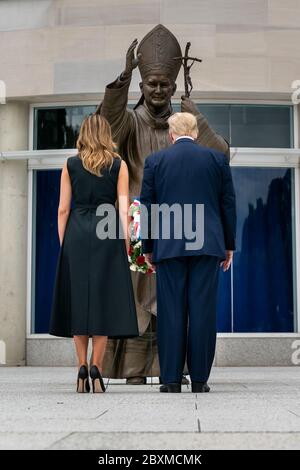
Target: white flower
133,267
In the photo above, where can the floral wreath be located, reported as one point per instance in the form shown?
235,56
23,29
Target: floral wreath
136,258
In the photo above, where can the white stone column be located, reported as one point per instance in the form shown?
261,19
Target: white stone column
13,233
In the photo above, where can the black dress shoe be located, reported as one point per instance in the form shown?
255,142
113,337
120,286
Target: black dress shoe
200,387
184,381
170,388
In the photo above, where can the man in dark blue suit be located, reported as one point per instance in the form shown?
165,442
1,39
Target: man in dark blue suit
188,230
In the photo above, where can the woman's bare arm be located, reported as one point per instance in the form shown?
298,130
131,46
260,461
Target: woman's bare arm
64,202
123,200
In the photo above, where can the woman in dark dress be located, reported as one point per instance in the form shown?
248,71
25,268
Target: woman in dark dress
93,294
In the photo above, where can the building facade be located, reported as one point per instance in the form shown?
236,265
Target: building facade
56,56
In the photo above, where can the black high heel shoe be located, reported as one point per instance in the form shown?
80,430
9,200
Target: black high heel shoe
83,384
97,381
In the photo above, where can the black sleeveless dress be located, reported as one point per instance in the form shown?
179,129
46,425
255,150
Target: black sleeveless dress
93,293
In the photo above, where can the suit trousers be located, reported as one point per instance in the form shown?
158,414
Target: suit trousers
186,316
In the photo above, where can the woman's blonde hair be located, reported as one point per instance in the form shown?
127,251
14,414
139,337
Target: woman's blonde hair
183,124
95,145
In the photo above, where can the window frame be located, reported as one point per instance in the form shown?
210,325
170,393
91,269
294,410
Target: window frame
240,157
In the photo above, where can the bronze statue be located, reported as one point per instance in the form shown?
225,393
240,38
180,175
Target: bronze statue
138,133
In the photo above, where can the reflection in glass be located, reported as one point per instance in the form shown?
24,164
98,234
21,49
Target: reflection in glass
263,261
58,128
224,317
251,125
46,245
261,126
218,117
241,125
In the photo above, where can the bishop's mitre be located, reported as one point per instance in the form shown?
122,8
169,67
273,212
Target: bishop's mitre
160,53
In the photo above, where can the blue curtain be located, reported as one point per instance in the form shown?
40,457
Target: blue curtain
47,245
262,270
263,263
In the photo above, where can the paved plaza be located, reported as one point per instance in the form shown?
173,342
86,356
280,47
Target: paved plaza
247,408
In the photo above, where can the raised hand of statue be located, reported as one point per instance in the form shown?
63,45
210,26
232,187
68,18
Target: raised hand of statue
131,60
188,106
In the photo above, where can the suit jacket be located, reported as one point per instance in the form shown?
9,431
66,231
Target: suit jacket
187,173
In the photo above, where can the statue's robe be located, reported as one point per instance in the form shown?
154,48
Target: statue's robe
138,133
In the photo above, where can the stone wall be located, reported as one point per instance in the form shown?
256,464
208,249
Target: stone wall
68,46
13,233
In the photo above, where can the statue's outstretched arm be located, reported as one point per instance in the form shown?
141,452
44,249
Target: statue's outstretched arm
114,104
207,136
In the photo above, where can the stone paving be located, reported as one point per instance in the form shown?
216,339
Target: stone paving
247,408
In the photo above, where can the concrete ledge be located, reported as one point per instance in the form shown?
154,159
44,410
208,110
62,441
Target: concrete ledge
232,350
258,350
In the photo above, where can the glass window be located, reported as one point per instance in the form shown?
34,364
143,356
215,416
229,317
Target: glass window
263,261
224,317
252,125
261,126
241,125
257,296
262,277
218,116
58,128
47,184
